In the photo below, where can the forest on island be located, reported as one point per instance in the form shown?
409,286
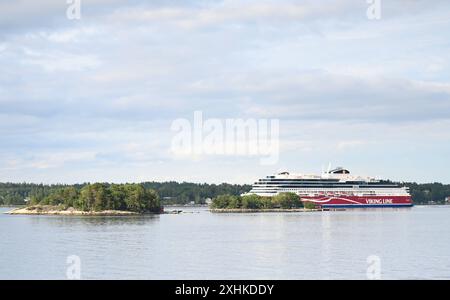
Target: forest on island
99,197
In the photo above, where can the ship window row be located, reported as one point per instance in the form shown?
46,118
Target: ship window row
298,179
316,193
325,186
319,182
325,190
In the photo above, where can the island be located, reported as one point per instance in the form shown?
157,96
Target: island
98,199
282,202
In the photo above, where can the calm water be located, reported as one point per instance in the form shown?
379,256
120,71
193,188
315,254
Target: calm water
411,243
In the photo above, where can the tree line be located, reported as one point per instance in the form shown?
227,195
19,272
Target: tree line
429,192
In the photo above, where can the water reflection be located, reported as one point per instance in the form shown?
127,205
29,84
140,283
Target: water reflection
94,221
412,243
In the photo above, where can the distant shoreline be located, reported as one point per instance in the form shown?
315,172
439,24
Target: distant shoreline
261,210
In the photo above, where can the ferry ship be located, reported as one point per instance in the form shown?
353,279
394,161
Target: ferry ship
335,188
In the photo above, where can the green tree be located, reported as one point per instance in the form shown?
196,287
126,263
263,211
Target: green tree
235,202
118,195
87,199
36,195
287,200
151,201
221,201
267,202
135,197
252,201
309,205
101,196
70,196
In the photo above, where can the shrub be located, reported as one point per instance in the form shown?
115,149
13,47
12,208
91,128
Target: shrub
235,202
252,201
287,200
221,201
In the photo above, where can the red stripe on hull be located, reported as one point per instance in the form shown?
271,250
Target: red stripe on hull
358,200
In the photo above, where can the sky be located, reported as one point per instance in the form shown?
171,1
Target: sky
95,98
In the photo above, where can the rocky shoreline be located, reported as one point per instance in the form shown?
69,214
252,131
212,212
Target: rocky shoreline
51,210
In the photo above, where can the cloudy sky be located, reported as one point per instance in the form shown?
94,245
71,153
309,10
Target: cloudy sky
94,99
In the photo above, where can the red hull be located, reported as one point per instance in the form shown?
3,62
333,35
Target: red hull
359,201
